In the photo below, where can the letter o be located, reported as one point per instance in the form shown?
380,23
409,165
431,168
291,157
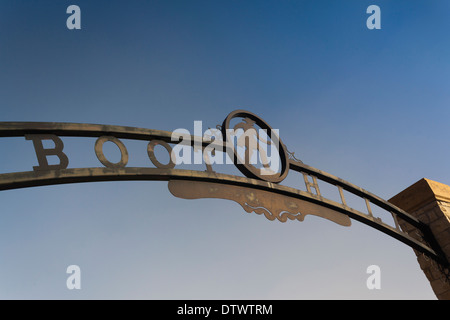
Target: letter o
151,154
101,157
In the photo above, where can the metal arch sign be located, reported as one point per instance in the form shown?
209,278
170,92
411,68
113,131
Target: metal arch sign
258,190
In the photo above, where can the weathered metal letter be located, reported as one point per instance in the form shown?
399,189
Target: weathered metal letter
151,154
101,157
42,153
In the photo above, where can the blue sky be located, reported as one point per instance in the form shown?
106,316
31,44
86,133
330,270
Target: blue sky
369,106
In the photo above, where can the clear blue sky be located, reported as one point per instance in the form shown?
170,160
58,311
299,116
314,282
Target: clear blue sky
369,106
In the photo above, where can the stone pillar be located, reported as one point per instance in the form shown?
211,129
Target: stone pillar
429,201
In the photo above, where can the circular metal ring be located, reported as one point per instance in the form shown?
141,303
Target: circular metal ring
101,157
151,154
246,168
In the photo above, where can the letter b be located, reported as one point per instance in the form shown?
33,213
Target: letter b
42,153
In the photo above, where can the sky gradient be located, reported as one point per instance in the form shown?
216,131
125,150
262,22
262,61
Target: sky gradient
369,106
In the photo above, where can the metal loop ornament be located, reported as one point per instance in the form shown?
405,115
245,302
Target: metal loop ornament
151,154
245,167
101,157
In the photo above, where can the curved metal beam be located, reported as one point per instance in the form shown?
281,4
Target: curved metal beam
18,129
50,177
27,179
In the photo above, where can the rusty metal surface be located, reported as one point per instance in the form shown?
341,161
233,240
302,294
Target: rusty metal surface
249,119
272,206
101,157
261,194
41,178
42,153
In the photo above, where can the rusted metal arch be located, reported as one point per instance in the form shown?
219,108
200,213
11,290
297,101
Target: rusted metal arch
65,129
18,129
18,180
33,178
